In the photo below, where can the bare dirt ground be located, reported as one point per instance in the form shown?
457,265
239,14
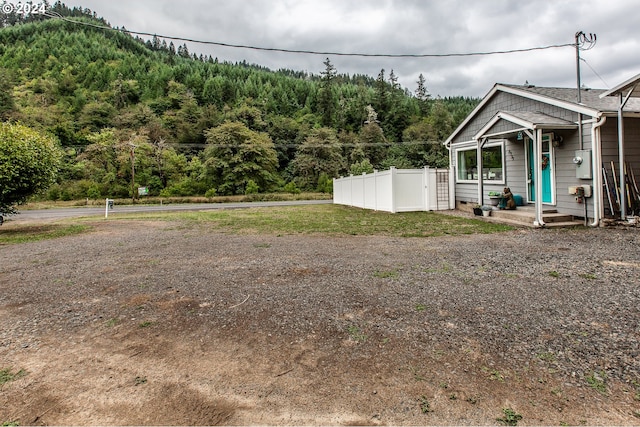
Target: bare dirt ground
172,323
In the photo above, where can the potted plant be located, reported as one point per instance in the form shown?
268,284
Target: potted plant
495,197
486,210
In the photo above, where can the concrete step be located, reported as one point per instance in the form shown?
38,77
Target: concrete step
556,217
526,217
565,224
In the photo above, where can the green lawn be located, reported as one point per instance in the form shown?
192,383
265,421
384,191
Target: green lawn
330,220
32,233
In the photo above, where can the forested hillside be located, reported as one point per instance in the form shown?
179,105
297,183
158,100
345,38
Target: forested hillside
194,125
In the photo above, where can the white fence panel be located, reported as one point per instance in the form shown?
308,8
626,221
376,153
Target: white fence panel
395,190
384,191
357,191
409,190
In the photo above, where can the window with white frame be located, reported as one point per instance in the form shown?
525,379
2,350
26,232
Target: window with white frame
492,163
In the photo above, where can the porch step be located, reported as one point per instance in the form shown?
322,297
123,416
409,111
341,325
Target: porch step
526,216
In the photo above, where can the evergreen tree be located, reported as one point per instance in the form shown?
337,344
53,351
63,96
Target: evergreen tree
422,94
381,100
326,101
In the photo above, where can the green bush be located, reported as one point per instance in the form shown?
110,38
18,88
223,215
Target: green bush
29,164
325,184
292,188
251,187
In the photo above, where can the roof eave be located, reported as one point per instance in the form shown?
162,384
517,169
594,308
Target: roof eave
632,83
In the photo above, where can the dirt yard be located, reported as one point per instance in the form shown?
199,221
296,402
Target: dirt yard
161,323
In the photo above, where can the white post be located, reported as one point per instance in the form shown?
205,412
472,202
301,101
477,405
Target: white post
539,222
375,189
350,189
479,168
393,189
106,209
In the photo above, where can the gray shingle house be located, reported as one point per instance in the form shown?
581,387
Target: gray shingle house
546,146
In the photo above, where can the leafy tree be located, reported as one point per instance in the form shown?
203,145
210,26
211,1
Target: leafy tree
319,153
423,143
361,167
236,154
373,142
29,163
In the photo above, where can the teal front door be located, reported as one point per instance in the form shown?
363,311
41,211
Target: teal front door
547,195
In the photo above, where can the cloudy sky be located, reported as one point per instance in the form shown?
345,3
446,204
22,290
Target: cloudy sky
414,27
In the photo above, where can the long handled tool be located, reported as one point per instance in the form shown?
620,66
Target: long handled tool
615,182
607,190
632,189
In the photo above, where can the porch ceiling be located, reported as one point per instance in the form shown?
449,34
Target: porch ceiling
524,120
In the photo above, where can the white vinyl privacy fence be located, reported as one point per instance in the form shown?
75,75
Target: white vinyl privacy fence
395,190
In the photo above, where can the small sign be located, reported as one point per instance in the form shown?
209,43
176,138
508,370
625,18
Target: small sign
143,191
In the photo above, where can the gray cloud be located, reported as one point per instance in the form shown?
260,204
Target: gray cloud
405,27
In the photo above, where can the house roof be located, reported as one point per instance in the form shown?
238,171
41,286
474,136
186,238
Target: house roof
594,99
632,84
592,103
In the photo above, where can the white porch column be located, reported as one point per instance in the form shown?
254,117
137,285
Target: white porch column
480,178
621,160
537,145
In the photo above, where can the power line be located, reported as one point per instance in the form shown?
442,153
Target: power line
595,72
312,52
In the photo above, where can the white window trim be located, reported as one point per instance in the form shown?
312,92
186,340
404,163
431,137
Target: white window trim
492,143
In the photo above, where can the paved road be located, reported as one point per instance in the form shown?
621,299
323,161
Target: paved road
60,213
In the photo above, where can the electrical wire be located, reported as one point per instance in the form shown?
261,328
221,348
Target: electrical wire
55,15
595,72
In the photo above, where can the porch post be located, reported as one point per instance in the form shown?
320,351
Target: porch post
537,143
480,178
621,157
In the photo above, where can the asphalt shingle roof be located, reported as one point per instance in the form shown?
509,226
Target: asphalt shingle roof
590,97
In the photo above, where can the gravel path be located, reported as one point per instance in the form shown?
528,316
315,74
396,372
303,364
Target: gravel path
167,322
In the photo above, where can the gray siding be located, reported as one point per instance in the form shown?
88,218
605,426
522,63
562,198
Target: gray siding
516,173
508,102
565,172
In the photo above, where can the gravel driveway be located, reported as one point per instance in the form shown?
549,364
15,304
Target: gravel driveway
140,322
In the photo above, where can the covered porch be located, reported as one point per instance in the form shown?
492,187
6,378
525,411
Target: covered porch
536,135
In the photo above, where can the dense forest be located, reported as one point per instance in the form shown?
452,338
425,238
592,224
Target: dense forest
126,109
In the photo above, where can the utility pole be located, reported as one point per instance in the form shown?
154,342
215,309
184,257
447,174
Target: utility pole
583,42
